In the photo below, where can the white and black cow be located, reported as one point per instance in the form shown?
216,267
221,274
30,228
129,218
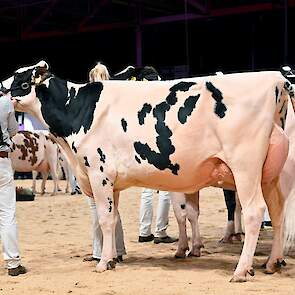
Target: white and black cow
179,135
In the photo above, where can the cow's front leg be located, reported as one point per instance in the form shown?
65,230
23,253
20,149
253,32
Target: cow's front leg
102,188
193,212
179,208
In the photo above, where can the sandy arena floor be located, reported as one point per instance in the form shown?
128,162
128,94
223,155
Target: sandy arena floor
55,236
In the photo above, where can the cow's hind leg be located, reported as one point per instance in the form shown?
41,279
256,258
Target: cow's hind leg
192,207
34,177
44,179
275,202
179,207
54,174
248,183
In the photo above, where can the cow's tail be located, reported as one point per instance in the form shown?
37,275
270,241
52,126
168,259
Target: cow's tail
289,214
289,230
290,89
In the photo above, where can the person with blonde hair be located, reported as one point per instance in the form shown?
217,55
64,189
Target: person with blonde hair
98,73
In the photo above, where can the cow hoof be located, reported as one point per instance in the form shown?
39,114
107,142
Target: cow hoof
103,266
238,237
194,254
226,240
269,271
238,279
274,267
179,256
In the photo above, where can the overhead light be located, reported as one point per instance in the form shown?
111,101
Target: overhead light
219,73
288,72
286,68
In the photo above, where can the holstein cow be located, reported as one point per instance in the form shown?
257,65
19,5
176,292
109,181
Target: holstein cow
36,152
179,135
185,207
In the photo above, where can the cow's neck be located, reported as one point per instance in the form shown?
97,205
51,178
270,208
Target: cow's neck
68,109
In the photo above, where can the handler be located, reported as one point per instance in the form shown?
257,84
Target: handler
8,226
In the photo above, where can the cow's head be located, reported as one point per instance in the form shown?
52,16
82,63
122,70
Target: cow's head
21,87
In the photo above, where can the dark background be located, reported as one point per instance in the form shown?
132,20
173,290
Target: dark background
178,37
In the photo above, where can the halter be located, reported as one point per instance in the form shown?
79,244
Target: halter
25,85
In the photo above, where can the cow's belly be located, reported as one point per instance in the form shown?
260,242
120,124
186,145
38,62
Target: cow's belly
24,165
214,171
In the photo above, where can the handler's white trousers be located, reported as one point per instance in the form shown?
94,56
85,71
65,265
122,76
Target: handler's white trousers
146,213
97,233
8,226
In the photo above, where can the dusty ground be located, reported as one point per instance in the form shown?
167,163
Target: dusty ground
55,236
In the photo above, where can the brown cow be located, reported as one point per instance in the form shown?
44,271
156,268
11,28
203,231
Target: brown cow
36,152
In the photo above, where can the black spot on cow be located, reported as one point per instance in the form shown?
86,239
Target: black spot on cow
161,160
277,94
124,124
101,168
110,204
72,93
74,148
102,155
65,111
282,107
104,182
182,86
182,206
36,135
146,109
220,107
288,86
187,109
86,162
137,159
282,123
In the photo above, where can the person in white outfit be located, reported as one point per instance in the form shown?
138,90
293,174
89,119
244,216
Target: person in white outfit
98,73
8,225
146,217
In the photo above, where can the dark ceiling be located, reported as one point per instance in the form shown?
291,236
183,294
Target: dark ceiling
178,37
30,19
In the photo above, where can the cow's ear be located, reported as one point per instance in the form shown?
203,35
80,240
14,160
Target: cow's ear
40,72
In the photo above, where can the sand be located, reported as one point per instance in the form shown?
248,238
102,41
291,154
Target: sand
55,236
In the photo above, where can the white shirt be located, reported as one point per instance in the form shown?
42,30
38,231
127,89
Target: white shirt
8,123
